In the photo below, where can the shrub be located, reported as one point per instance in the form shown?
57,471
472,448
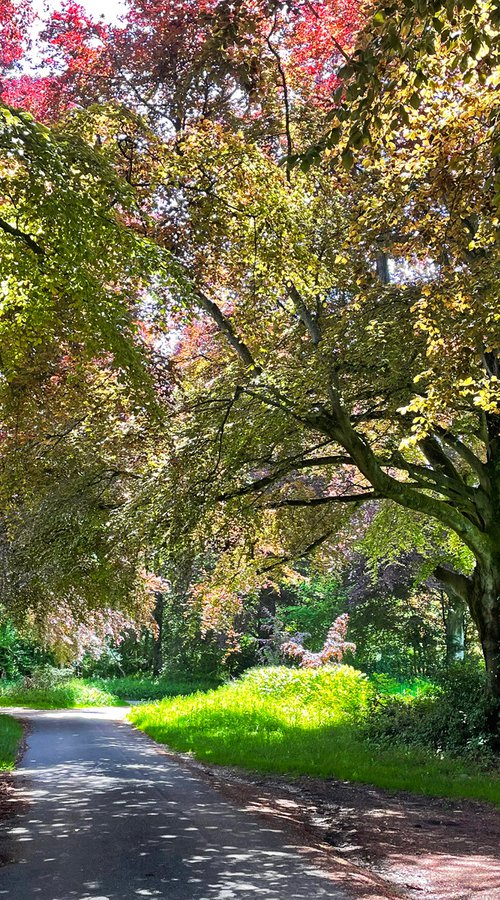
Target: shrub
337,689
450,716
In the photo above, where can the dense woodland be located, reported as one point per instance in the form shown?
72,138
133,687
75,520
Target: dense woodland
249,345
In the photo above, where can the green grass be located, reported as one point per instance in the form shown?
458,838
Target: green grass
71,693
301,722
67,694
11,733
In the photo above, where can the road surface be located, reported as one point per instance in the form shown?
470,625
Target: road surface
111,817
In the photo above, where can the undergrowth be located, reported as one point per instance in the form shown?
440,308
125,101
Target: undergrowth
55,689
143,687
68,694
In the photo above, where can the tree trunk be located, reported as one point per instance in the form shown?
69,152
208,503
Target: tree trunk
455,630
157,647
485,609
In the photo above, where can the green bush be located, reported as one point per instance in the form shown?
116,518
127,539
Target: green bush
18,656
449,716
339,690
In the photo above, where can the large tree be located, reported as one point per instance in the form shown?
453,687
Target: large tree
359,311
338,329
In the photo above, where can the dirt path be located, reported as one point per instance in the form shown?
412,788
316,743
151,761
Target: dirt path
427,847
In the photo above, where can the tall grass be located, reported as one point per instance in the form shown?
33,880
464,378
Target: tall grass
304,722
10,735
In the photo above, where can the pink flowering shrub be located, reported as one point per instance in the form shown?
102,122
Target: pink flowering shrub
333,649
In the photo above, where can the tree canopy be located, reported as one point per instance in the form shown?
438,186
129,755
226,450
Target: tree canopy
320,337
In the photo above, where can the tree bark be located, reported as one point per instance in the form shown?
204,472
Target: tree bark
485,609
455,631
158,642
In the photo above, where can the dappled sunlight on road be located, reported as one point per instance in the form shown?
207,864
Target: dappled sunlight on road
110,816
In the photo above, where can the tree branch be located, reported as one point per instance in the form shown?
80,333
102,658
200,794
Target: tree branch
26,238
457,583
291,466
321,501
227,330
305,316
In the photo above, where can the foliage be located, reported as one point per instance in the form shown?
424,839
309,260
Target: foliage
70,271
75,390
310,605
150,688
15,17
303,722
18,656
333,649
11,733
450,717
401,638
395,48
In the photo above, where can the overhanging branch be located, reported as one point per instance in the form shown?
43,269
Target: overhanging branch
454,581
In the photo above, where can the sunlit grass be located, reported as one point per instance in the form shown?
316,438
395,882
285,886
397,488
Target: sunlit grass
74,693
70,694
10,735
303,723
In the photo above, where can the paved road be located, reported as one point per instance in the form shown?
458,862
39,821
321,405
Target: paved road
110,817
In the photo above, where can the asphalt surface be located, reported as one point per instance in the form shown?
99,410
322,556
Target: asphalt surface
109,816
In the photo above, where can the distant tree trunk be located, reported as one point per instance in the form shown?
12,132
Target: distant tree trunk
454,623
158,614
266,611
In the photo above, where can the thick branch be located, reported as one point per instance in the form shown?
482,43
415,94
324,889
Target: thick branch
457,583
467,455
299,555
26,238
227,330
305,316
321,501
438,459
401,493
291,466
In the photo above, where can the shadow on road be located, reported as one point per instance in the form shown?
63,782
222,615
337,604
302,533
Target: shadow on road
111,817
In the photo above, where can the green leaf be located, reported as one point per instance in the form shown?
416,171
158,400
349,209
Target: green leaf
347,160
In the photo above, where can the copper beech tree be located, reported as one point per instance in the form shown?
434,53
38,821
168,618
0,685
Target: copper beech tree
357,314
331,332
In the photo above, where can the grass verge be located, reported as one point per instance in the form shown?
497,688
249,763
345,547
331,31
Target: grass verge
74,693
11,732
301,722
70,694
